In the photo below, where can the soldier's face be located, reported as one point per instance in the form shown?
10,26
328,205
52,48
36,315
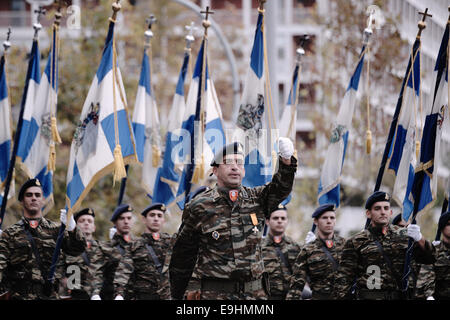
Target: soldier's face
446,231
86,224
326,222
154,220
380,213
33,201
124,223
231,172
278,222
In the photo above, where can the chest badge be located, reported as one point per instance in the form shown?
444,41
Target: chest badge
233,194
329,243
34,223
127,238
254,222
277,239
88,245
156,236
215,235
384,230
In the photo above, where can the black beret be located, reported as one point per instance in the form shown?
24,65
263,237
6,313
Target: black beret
443,220
322,209
397,219
87,211
197,191
279,207
376,197
232,148
154,206
119,210
30,183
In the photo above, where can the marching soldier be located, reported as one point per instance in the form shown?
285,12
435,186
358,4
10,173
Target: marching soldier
279,253
26,247
318,260
145,259
113,251
375,257
83,265
223,229
441,267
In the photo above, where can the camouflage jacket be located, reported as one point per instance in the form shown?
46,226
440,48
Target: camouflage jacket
279,273
139,264
18,265
113,251
313,266
425,282
362,260
442,272
87,263
222,234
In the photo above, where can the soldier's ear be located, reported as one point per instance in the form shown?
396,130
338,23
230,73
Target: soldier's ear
368,214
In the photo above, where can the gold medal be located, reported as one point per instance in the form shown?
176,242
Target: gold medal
255,222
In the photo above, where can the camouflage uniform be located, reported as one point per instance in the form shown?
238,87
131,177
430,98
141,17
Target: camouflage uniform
18,264
442,272
88,262
279,273
113,252
226,238
361,254
139,264
425,282
315,267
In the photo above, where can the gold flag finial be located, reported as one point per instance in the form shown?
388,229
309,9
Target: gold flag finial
261,5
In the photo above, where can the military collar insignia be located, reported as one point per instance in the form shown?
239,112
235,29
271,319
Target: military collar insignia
277,239
233,194
127,238
89,244
384,230
329,243
33,223
156,236
215,235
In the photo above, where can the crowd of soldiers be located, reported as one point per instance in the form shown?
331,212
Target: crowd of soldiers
220,251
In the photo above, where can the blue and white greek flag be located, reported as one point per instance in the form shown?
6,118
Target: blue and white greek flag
289,116
168,177
36,135
425,178
329,183
5,130
252,121
92,150
146,128
402,154
199,144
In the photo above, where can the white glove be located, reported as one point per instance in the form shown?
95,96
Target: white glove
286,148
112,232
310,237
436,243
413,231
430,298
96,297
118,297
63,218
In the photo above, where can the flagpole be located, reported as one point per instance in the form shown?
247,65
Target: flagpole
37,26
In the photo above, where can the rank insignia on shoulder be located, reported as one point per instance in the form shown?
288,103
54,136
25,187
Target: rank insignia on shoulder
215,235
156,236
127,238
233,195
34,223
277,239
329,243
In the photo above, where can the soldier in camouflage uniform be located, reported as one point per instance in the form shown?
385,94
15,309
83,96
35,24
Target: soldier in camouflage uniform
223,229
145,259
441,267
26,247
113,252
86,263
318,260
279,253
375,257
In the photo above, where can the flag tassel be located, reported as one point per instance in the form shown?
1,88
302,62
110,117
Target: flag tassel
156,155
417,149
52,158
119,166
55,134
368,141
